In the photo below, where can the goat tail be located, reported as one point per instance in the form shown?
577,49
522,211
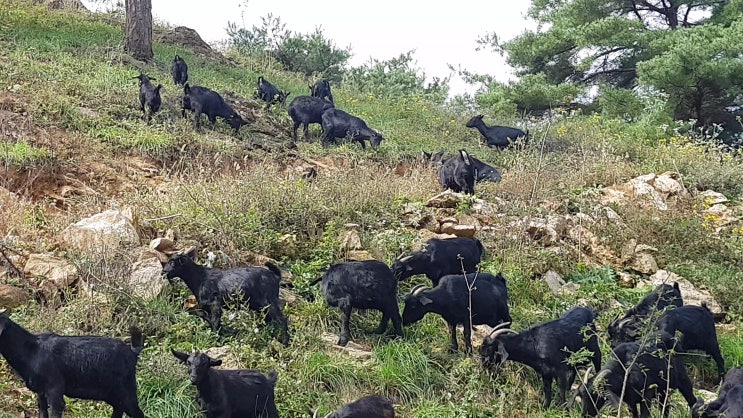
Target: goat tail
273,376
316,281
137,341
273,267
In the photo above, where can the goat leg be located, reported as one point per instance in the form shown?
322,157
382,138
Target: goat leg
453,332
345,306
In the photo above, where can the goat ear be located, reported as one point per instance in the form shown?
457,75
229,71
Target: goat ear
214,362
182,357
425,300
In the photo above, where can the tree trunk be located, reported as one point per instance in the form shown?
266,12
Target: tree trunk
138,29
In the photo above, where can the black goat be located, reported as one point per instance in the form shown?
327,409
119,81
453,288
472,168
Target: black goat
209,102
149,96
321,90
361,285
458,174
729,402
230,393
339,124
269,93
628,327
496,136
440,257
451,299
179,71
371,406
214,288
84,367
695,323
305,110
483,171
648,369
546,348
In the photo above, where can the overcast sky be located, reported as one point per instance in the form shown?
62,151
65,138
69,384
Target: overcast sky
441,33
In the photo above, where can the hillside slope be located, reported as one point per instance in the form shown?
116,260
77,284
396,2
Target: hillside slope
73,144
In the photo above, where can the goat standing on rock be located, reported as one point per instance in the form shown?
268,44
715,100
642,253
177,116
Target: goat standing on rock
83,367
214,288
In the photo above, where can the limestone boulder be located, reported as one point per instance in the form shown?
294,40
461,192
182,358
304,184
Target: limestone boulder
101,232
352,349
712,197
51,269
145,279
669,184
12,296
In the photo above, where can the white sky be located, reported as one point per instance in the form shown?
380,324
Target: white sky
441,33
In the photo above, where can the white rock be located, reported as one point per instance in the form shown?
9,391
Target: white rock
554,281
690,294
712,197
145,279
54,269
101,232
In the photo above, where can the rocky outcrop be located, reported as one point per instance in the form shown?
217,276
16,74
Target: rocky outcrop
689,293
101,232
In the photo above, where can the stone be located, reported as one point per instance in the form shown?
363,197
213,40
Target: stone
649,196
145,279
668,184
446,199
352,349
712,197
554,281
689,293
224,353
626,280
643,248
359,255
12,296
570,288
459,230
643,263
539,230
104,231
719,215
350,240
286,297
54,269
162,244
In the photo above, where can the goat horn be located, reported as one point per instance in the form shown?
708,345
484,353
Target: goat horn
501,325
3,310
497,332
417,289
600,377
583,383
405,259
624,322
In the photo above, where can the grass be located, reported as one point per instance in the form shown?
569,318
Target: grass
69,110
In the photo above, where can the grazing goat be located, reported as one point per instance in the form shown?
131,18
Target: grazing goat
179,71
695,323
546,348
647,369
626,328
321,90
209,102
361,285
458,174
452,298
339,124
230,393
440,257
149,96
305,110
483,171
214,288
496,136
371,406
84,367
269,93
729,402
